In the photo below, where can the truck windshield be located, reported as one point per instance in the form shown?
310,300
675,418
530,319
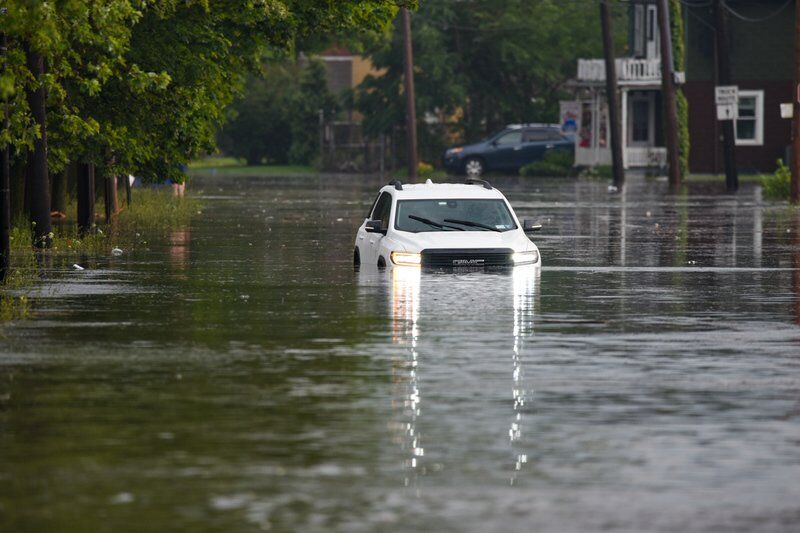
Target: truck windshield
417,216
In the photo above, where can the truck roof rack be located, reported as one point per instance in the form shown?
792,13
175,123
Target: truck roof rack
476,181
397,184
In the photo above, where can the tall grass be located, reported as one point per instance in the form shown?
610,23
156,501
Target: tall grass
778,185
152,213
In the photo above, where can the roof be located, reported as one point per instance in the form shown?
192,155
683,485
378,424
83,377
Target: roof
533,125
430,191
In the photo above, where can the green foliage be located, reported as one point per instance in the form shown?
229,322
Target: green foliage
778,184
682,104
13,307
556,163
483,64
260,128
601,172
141,86
424,171
312,97
277,120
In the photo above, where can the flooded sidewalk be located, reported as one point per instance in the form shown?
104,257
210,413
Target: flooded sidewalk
239,375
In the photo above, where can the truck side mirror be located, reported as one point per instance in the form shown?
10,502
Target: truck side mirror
374,226
529,226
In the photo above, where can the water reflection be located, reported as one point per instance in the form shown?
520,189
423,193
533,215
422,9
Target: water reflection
406,398
463,304
179,246
525,281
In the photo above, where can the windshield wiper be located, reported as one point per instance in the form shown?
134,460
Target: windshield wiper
472,224
433,223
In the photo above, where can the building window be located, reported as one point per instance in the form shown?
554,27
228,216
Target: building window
750,124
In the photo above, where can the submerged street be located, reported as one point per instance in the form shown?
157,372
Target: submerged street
239,375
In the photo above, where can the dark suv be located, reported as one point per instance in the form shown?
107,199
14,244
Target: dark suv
507,151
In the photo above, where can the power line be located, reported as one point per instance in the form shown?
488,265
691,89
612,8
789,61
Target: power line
751,19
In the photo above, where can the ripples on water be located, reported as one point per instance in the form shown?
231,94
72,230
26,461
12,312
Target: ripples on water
239,375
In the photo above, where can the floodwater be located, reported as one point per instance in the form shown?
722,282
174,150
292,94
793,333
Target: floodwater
240,376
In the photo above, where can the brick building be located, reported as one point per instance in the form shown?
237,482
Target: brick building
761,57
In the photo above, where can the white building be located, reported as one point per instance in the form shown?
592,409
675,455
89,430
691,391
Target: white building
639,81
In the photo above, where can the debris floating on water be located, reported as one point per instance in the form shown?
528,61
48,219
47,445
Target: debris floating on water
116,251
612,189
76,266
122,498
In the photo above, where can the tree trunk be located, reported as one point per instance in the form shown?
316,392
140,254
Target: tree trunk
39,183
112,206
58,189
18,168
5,187
85,186
128,196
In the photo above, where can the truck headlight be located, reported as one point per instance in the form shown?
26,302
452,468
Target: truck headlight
522,258
406,258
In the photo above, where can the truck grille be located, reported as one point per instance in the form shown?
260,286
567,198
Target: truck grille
467,257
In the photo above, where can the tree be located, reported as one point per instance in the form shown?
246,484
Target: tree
482,64
312,97
139,86
259,128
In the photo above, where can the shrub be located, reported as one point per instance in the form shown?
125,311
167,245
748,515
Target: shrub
778,184
554,163
424,170
601,172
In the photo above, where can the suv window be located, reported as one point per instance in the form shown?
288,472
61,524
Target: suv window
513,137
372,207
554,136
536,136
383,207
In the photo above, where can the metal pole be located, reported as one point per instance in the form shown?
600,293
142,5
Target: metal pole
411,113
724,78
795,185
5,185
612,95
668,88
322,139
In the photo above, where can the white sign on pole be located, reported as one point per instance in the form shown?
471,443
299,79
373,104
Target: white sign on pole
727,111
726,94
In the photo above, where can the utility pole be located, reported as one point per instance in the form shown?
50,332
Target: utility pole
411,112
5,182
795,186
613,96
724,78
668,89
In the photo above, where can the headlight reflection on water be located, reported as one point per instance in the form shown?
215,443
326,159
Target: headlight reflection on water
406,305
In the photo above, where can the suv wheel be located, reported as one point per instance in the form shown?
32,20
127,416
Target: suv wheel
473,167
356,259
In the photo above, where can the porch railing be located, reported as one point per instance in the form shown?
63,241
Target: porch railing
628,69
649,156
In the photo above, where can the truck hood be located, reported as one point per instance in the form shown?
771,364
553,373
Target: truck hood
416,242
